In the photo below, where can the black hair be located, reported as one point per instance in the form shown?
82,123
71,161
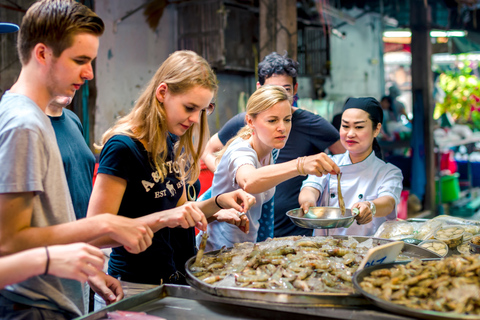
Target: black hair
337,121
274,63
375,114
375,145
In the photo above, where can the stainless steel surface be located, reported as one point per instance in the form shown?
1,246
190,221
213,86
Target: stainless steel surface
183,302
327,218
402,310
303,298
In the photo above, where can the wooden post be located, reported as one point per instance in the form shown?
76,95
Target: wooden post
278,27
422,90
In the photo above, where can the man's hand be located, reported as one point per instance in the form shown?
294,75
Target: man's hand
135,235
76,261
106,287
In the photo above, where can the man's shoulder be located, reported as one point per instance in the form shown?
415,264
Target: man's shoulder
302,114
19,112
236,121
71,115
231,128
306,120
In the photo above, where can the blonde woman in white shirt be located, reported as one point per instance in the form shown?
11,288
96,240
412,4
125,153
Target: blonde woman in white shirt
246,162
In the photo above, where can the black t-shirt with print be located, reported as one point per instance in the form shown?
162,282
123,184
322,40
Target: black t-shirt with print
127,158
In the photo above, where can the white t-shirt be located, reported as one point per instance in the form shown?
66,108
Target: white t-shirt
239,153
363,181
31,162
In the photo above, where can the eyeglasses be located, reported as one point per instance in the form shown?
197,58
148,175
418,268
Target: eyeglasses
211,107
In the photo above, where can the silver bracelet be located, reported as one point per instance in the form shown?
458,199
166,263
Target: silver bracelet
373,208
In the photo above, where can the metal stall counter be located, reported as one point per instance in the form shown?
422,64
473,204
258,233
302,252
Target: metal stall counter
184,302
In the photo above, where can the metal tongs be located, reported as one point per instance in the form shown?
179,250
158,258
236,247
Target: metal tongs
341,202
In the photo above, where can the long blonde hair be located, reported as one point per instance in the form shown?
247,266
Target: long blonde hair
261,100
182,71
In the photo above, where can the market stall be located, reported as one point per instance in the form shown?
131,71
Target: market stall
215,294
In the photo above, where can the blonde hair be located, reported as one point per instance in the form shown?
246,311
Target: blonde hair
261,100
181,72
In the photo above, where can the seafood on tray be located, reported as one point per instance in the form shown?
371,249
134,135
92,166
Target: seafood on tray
308,264
448,285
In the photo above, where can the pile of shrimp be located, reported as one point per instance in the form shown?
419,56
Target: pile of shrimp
308,264
448,285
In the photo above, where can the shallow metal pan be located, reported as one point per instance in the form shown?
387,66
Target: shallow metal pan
301,298
328,218
398,309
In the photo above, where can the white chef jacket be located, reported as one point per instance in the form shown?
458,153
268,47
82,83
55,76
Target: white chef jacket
363,181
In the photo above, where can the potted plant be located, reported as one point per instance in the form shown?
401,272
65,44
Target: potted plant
462,96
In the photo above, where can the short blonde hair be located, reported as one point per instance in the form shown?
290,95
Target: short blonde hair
181,72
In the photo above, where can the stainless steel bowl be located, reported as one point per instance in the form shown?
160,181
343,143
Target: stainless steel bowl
327,218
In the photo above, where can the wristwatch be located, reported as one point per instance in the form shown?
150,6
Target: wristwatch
373,208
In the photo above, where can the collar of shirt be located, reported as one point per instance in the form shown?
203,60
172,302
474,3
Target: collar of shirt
346,165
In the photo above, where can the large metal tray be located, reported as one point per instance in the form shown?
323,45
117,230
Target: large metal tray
184,302
422,314
301,298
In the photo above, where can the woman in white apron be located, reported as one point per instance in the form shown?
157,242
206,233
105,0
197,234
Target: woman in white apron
367,183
